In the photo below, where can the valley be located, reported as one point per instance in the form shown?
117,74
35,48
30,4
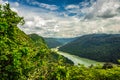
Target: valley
38,48
76,59
99,47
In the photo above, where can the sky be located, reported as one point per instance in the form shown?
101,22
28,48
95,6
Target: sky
68,18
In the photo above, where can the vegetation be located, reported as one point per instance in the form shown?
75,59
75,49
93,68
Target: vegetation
55,42
100,47
39,41
19,55
52,42
22,59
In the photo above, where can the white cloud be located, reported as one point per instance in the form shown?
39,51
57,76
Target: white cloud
1,1
50,24
98,9
47,6
102,8
109,9
72,6
16,4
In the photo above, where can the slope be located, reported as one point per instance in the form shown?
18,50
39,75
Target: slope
52,42
55,42
22,59
100,47
19,55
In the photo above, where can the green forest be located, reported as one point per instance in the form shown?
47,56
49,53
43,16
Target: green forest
99,47
24,57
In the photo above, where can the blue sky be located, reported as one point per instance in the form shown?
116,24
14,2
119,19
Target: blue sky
68,18
59,4
52,2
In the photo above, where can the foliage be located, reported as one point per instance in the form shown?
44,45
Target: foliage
100,47
52,42
18,53
39,41
55,42
22,59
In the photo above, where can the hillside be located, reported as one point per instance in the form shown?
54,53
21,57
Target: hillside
19,55
65,40
55,42
38,40
52,42
23,58
100,47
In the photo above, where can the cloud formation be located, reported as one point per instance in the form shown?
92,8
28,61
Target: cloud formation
102,9
46,6
1,1
72,7
102,16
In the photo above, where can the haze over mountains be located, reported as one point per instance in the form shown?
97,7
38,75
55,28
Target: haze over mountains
55,42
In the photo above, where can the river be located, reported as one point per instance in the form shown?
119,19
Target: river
77,60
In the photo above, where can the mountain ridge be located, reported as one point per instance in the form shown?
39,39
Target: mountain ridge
55,42
100,47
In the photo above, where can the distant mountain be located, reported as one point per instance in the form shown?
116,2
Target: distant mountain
65,40
100,47
50,42
54,42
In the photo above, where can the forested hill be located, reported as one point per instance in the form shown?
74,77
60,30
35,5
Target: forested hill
19,55
39,41
52,42
23,58
100,47
55,42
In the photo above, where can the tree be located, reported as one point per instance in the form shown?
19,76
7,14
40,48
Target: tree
9,20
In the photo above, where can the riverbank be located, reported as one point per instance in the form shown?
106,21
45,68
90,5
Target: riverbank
76,59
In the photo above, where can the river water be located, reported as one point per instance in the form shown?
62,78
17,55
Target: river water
78,60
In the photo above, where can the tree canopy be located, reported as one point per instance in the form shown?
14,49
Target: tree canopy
21,58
